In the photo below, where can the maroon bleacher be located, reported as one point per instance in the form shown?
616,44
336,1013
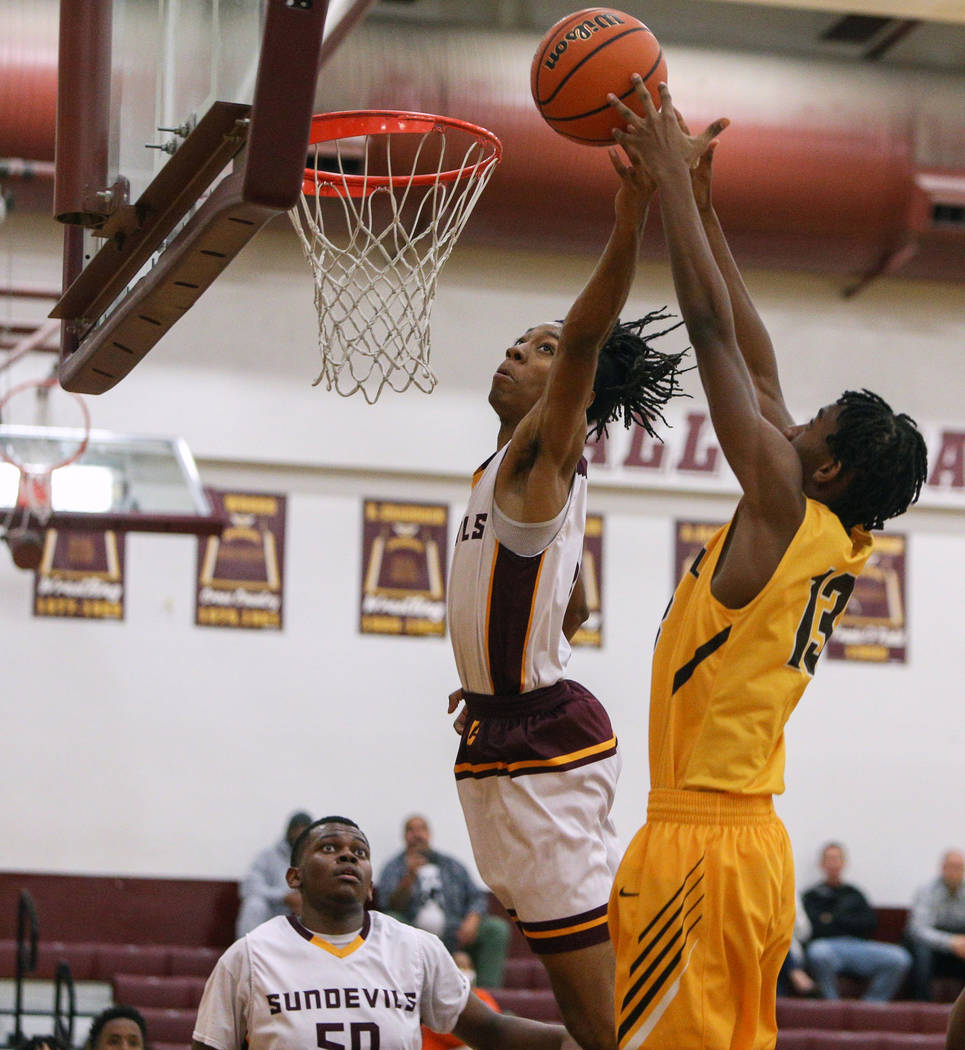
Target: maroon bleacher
179,993
852,1015
102,962
825,1039
169,1026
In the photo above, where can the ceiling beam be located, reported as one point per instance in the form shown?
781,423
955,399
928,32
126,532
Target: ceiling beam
923,10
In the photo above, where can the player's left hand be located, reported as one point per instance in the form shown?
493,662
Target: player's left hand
455,699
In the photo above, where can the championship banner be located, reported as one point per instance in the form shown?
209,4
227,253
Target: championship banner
81,575
689,538
241,573
874,627
403,568
591,633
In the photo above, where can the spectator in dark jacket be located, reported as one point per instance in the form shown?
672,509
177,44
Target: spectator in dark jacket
842,922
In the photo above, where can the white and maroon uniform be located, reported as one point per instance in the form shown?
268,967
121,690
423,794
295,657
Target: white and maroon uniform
282,986
537,765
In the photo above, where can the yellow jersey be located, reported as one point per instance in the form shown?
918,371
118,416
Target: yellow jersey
725,681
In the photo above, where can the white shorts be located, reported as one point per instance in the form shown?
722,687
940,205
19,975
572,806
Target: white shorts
536,775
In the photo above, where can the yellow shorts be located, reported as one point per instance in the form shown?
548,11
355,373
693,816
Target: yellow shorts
701,917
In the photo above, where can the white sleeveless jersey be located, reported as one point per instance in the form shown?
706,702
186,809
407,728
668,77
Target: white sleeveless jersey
282,987
505,610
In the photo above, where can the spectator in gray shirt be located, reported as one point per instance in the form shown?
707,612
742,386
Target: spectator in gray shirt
936,926
264,891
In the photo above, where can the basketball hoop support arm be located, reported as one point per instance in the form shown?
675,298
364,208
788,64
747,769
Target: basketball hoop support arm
269,182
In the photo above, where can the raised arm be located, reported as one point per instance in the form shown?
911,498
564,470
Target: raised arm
752,337
764,461
548,442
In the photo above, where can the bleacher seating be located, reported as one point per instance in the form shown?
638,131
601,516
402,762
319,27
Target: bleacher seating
102,962
165,981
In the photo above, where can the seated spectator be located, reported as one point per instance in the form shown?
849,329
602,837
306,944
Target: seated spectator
117,1028
264,892
434,892
842,922
936,927
793,978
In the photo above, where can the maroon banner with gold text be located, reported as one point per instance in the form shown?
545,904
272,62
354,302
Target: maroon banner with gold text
81,575
403,586
241,573
874,627
591,571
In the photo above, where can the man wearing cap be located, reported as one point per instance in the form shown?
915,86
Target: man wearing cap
264,892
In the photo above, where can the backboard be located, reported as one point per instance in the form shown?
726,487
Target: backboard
122,481
182,129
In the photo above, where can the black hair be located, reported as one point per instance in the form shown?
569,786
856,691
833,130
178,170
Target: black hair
40,1042
300,841
634,381
113,1013
297,820
886,454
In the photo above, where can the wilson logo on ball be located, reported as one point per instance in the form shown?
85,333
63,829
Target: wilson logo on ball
581,59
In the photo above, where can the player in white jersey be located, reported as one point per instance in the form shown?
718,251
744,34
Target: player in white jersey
538,762
342,978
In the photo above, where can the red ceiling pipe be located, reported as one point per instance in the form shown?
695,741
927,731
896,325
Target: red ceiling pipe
28,79
83,112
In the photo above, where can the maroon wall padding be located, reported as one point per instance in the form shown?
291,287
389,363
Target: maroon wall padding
122,910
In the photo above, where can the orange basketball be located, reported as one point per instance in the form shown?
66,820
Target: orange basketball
586,55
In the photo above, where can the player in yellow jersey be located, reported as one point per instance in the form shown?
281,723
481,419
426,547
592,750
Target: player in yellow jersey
702,908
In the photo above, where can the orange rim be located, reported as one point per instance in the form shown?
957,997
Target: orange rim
327,127
40,384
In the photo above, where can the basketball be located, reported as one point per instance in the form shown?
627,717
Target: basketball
582,58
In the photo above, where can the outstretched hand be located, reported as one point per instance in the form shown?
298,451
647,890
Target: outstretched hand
636,187
656,141
701,173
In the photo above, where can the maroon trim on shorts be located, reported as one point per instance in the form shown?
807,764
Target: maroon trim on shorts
519,736
567,941
511,596
524,770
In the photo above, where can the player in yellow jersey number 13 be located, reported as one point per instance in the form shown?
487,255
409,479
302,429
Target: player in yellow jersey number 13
702,907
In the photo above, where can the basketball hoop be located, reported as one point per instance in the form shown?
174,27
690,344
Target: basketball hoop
381,210
33,491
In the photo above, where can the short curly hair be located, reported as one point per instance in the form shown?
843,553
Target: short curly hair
113,1013
299,844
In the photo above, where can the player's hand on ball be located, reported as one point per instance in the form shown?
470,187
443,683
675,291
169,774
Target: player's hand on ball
657,139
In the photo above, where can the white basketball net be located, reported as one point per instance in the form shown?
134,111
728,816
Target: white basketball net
376,257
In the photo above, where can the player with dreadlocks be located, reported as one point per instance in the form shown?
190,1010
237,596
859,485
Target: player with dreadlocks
702,908
537,762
